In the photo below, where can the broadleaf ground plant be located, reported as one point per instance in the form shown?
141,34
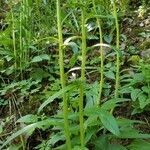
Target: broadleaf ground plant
68,78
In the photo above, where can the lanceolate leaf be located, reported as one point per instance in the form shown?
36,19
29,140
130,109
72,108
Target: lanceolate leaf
139,145
106,118
30,127
116,147
56,95
130,135
108,105
28,119
40,58
102,143
127,131
20,132
109,122
55,138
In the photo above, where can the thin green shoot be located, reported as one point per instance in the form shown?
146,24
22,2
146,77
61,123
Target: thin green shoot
117,50
81,118
62,76
101,56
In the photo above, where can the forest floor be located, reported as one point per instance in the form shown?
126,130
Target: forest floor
135,42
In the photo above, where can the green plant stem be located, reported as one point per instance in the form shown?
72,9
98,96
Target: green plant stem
22,141
20,42
101,57
62,77
14,37
83,20
27,32
117,50
23,24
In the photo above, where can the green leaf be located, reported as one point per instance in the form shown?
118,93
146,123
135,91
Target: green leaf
14,135
132,133
92,94
47,39
109,74
135,93
110,104
15,147
28,119
36,59
92,111
89,134
1,129
60,147
138,77
74,47
72,61
146,89
102,143
39,74
30,128
126,89
139,145
106,118
90,26
55,138
123,122
116,147
79,148
56,95
109,122
91,121
45,57
40,58
143,100
108,38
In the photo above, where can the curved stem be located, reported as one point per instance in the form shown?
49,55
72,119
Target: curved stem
62,77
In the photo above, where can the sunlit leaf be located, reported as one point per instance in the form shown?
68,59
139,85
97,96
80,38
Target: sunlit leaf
28,119
40,58
109,74
55,138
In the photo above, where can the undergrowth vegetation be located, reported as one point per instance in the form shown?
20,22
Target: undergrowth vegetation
75,75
